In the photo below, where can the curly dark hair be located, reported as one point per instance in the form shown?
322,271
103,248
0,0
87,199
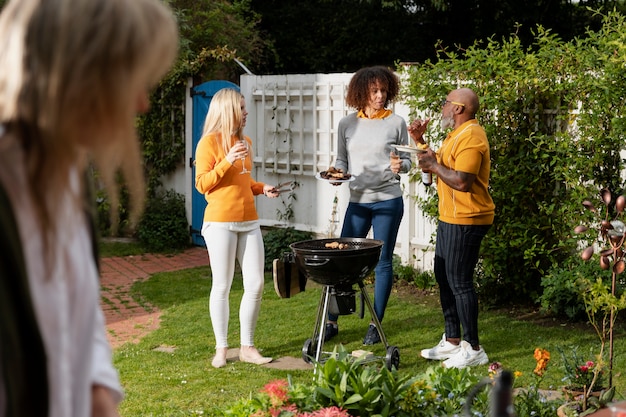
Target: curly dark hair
359,88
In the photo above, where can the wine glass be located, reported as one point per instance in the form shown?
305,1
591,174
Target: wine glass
243,159
396,177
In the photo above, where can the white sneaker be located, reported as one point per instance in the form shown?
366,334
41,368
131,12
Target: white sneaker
443,350
466,356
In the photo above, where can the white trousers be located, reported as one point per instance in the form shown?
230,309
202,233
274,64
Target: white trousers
226,242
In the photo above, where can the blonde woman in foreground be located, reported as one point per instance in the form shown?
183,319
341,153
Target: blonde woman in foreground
73,76
231,227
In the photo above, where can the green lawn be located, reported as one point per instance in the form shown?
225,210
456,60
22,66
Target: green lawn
183,383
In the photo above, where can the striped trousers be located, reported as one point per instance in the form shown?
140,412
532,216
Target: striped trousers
456,255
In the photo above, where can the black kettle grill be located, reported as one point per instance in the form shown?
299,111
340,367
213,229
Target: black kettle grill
338,269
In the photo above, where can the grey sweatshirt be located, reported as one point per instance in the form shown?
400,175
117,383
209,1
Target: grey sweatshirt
363,150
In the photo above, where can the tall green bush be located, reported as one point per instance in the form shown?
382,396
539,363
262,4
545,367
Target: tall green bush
277,241
554,118
164,225
103,209
564,285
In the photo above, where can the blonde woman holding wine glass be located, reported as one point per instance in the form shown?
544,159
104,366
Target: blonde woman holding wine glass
244,170
231,228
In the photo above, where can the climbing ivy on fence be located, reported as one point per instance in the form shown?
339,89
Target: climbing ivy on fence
554,116
162,129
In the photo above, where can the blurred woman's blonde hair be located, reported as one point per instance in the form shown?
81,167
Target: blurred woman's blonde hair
71,77
225,117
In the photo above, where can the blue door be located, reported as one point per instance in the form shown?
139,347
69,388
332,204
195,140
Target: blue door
201,96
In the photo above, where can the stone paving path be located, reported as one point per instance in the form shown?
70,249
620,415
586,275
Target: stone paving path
126,320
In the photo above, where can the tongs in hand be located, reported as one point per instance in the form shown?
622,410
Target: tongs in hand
285,187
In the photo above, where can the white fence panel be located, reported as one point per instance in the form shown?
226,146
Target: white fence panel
293,122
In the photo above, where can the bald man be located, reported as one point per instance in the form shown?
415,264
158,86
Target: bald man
466,212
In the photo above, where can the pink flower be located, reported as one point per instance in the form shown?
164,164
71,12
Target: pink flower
275,412
590,364
330,412
495,367
277,390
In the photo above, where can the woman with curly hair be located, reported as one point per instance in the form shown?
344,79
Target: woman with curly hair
365,150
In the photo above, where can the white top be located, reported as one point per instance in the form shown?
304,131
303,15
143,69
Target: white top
66,296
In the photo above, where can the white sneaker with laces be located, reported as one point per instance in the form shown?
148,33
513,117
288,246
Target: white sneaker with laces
466,356
443,350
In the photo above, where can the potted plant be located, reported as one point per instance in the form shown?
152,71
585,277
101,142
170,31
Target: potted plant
580,408
585,390
582,377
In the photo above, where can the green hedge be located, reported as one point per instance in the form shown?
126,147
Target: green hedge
556,123
164,225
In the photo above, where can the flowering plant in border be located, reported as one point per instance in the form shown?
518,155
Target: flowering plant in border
275,400
580,374
542,357
343,386
531,400
584,378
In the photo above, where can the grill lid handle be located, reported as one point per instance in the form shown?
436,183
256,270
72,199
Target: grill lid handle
313,262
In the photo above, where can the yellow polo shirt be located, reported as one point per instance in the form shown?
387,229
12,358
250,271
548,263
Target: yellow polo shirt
466,149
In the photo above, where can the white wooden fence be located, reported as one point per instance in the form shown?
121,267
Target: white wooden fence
293,122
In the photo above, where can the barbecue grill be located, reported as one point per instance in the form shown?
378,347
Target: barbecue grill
338,270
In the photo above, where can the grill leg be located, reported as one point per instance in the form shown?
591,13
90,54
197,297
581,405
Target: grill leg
320,323
370,307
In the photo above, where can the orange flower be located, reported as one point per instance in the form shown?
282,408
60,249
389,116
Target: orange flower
542,357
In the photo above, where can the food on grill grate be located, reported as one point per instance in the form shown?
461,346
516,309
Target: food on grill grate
335,174
333,266
336,245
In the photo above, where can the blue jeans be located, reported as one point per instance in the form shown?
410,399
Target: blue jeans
384,217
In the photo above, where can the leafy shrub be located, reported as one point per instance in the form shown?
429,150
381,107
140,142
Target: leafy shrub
277,242
402,272
443,391
544,158
422,279
563,286
362,390
103,208
345,384
164,225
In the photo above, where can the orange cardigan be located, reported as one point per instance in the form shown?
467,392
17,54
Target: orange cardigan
229,194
